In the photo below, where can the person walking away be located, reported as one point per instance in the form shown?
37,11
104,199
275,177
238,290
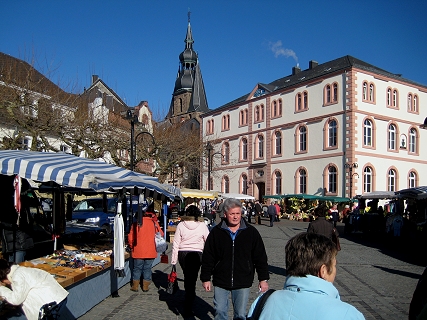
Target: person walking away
233,251
30,288
276,205
308,292
188,244
250,212
258,212
321,225
333,212
141,242
272,211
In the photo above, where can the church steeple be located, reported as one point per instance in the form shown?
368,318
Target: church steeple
189,97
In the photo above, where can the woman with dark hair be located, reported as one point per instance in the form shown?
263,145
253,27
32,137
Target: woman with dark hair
188,244
141,242
30,287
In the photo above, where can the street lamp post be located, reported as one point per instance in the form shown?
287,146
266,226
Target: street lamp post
350,167
134,119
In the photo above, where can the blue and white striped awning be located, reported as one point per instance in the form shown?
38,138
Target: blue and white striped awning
76,172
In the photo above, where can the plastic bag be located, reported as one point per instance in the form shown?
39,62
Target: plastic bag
161,245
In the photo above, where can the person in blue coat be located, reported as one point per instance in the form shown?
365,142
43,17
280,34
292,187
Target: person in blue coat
308,292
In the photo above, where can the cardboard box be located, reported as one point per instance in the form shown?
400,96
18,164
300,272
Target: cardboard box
64,281
90,271
77,275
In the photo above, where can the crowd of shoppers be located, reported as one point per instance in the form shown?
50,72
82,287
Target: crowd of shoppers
232,253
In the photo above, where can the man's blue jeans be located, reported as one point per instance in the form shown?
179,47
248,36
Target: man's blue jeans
239,298
142,266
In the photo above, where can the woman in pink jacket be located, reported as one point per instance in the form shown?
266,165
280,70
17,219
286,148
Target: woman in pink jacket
188,244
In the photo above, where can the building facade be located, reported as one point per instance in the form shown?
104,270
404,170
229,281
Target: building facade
340,128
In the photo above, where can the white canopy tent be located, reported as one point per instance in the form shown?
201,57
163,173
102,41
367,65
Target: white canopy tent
236,196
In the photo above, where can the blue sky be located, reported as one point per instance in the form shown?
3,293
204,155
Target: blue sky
134,45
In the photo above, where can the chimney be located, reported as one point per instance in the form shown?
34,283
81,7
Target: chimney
296,70
312,64
94,78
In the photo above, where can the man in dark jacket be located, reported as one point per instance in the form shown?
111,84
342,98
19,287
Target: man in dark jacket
233,251
272,212
321,225
258,212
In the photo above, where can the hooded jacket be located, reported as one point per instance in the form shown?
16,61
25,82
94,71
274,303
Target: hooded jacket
190,235
32,288
232,263
141,238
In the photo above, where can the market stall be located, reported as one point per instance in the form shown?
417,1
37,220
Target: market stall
64,174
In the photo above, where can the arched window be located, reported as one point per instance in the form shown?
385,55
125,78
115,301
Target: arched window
274,109
244,184
371,92
395,99
278,142
392,137
367,179
261,112
412,179
280,107
328,94
305,100
257,114
332,179
246,116
244,149
389,97
332,134
335,96
260,146
367,133
299,102
365,91
391,180
415,105
226,184
302,145
410,102
242,117
302,181
278,182
413,141
226,152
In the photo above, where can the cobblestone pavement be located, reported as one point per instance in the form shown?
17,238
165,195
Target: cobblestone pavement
377,277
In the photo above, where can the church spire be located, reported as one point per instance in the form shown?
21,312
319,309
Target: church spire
189,96
189,37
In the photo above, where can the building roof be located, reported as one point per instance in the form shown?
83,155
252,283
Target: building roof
314,71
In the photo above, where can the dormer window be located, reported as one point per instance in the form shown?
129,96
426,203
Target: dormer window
259,92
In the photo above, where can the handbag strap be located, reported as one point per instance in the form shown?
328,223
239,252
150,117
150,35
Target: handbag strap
260,305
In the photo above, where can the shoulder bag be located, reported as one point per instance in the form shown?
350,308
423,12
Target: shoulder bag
260,305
